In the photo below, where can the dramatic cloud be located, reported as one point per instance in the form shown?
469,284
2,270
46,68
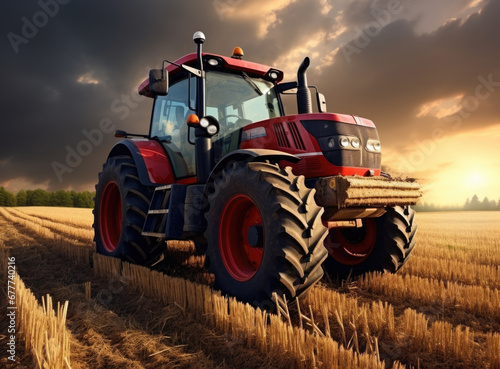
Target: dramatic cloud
423,71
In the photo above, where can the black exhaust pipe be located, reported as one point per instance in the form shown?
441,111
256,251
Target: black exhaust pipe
304,104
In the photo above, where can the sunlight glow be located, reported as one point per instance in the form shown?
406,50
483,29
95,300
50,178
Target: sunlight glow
441,108
451,174
478,179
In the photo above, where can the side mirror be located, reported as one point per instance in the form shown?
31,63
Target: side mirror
321,102
158,81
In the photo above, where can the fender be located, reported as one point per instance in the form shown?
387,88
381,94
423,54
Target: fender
152,163
250,155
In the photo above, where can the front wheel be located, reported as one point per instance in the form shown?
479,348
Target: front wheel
382,244
264,233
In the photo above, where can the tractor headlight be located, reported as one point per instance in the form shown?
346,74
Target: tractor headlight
204,122
339,142
274,75
212,129
213,62
210,125
373,146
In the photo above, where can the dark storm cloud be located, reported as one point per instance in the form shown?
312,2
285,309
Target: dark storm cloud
45,109
398,71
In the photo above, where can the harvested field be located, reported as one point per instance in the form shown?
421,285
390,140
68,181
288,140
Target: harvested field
442,310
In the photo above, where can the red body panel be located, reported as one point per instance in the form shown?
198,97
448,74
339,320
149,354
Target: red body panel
296,140
156,161
157,164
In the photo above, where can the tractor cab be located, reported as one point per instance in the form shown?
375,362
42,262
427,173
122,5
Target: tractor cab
234,98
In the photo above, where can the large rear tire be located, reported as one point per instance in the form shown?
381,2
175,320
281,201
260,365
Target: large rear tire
121,206
382,244
264,234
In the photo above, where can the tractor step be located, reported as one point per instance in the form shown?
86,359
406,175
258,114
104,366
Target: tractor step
153,234
156,220
163,216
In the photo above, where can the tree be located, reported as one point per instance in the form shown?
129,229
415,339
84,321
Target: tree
83,199
10,199
2,196
88,199
21,198
61,198
7,198
467,204
39,197
486,205
475,204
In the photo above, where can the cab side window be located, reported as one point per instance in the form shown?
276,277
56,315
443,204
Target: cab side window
169,126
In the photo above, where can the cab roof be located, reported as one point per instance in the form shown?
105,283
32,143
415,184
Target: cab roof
228,64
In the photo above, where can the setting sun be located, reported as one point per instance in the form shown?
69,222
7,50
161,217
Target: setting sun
478,179
451,174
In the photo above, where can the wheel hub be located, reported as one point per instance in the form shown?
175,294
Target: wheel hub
255,236
110,216
241,237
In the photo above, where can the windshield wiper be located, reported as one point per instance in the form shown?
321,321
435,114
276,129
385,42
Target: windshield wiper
252,83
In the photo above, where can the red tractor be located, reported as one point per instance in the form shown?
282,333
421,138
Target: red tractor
271,199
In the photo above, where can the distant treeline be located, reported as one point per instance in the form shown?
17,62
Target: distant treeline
473,204
39,197
85,199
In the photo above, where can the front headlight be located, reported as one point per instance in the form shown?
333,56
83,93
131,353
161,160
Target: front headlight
373,146
339,142
344,141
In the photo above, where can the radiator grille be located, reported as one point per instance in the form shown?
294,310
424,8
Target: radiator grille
280,133
297,140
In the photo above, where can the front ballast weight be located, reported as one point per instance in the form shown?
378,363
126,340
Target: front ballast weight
356,191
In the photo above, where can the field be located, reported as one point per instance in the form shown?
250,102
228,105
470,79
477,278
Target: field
442,310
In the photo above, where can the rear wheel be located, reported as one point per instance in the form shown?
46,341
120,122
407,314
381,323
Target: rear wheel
121,206
264,233
382,244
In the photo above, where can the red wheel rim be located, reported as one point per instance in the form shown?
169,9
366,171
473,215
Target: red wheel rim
241,259
110,216
351,246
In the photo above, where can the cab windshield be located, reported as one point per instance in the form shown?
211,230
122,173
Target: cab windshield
237,100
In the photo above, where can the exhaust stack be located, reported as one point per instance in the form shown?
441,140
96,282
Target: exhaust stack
304,104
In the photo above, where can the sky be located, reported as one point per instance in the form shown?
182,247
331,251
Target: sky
426,72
